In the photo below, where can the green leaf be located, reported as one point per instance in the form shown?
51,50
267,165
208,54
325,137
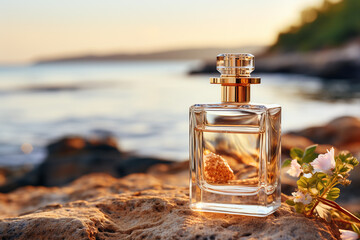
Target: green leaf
308,207
345,162
286,163
310,157
348,158
312,181
309,154
299,207
321,175
334,190
296,153
343,156
302,182
344,169
353,161
341,165
310,149
333,194
338,163
319,185
290,202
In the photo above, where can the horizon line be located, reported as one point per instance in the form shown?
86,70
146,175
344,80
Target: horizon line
99,54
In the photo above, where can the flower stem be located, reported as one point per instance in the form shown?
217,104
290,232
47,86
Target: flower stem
331,184
339,208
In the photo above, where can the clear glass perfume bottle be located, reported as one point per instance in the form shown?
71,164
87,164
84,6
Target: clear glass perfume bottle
235,146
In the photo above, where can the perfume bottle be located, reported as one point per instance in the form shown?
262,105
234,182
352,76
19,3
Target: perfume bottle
235,146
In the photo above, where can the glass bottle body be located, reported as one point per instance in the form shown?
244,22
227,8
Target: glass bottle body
235,158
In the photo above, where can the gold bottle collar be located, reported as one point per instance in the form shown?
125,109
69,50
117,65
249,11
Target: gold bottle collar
235,80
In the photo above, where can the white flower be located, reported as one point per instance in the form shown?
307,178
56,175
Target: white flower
300,197
348,235
324,162
295,169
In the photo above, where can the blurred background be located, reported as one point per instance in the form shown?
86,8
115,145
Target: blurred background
85,85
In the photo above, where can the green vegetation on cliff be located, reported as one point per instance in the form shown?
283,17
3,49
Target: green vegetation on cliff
328,26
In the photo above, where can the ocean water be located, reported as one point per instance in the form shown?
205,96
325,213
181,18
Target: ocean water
143,104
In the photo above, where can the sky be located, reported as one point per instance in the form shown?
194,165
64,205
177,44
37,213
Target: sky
34,29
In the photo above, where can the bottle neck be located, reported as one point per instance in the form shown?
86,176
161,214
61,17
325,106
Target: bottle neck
235,93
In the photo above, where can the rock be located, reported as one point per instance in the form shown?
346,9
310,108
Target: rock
74,156
138,206
342,133
10,176
336,63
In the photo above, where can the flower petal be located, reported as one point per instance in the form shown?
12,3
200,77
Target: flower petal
324,162
295,169
348,235
299,197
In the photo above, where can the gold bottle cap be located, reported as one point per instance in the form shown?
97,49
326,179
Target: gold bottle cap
235,79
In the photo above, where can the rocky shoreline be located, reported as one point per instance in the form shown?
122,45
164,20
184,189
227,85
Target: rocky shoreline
338,63
72,157
147,198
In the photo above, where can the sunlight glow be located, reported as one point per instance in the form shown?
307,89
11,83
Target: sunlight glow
26,148
57,28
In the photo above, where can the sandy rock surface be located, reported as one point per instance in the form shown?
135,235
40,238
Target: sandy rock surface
139,206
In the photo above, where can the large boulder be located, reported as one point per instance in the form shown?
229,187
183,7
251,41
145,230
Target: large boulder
139,206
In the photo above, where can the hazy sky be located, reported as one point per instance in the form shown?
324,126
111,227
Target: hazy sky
38,28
